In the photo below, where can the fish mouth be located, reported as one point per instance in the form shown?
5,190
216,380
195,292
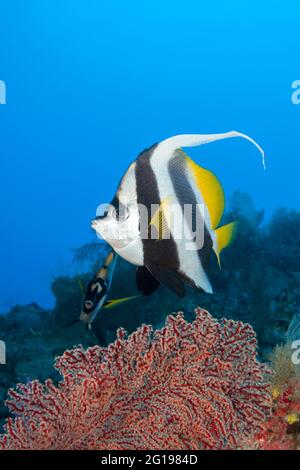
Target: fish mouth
88,304
95,222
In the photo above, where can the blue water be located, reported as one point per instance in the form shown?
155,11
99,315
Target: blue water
90,84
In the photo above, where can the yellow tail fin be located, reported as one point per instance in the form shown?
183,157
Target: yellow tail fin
223,237
116,302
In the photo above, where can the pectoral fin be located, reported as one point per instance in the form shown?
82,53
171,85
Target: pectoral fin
223,237
161,220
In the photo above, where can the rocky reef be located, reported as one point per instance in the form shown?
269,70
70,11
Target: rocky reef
190,385
186,386
259,284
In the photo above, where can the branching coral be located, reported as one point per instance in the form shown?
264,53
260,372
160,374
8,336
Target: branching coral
186,386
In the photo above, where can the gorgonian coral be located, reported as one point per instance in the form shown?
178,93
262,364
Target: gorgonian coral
187,386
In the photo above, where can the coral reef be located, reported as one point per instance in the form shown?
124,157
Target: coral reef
188,385
258,284
33,340
281,431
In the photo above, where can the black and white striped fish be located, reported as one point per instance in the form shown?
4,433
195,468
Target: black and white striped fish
163,177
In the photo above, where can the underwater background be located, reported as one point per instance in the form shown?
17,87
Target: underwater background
91,84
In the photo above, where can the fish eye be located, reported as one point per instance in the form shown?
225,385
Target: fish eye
121,213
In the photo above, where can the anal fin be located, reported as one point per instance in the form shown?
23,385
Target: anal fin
146,283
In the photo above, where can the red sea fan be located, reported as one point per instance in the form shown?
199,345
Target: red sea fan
187,386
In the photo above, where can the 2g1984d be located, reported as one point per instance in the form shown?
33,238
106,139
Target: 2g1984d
170,459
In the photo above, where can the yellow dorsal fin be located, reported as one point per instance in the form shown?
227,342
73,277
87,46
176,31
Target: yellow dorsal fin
161,220
211,191
223,237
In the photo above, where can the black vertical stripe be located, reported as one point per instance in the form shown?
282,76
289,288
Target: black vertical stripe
185,194
161,253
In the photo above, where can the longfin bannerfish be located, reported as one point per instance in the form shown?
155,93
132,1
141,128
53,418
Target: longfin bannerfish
164,176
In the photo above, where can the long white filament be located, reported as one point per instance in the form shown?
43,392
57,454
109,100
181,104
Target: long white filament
166,147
